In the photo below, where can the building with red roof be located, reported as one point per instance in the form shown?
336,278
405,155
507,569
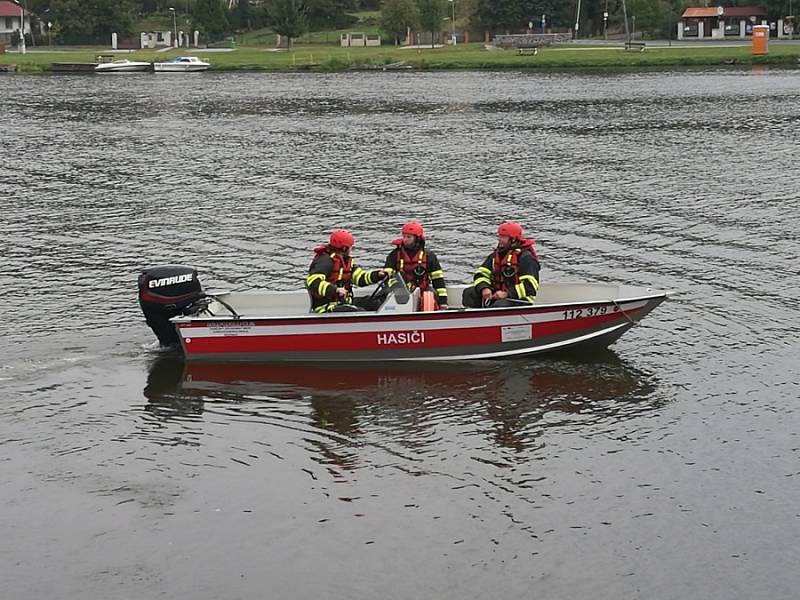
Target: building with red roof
720,23
12,16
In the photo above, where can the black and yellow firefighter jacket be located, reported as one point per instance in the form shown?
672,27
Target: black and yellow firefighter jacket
514,271
330,269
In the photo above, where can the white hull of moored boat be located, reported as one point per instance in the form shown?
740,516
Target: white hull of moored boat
123,66
181,64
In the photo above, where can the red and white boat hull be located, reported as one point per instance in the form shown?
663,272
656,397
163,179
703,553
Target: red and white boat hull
443,335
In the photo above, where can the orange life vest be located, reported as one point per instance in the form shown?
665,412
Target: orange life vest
505,267
414,269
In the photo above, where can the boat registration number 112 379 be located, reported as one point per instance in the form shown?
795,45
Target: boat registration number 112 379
589,311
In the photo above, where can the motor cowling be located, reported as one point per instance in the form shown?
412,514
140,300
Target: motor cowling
166,292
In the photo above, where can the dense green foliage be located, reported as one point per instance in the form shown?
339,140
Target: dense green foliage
431,14
289,18
209,19
87,20
92,21
397,17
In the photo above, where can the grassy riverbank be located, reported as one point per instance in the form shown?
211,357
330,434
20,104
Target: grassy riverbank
464,56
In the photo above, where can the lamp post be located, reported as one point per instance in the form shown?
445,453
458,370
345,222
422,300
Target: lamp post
453,21
605,25
174,27
577,19
49,37
625,18
22,48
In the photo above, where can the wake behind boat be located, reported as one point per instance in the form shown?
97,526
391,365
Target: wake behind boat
181,64
277,326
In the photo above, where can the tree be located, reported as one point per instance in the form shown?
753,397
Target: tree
289,18
240,16
91,20
651,15
209,19
431,13
500,14
114,17
397,17
328,8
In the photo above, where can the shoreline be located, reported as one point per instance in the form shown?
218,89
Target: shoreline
330,58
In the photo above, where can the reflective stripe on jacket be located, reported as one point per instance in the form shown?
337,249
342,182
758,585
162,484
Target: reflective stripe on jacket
514,271
419,271
329,270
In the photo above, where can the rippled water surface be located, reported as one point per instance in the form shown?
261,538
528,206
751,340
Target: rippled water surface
664,468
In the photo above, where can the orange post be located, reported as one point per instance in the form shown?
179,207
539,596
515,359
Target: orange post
760,40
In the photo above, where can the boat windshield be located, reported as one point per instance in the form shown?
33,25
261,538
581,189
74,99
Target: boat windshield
397,286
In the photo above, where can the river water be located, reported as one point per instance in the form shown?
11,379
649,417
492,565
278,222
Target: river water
664,468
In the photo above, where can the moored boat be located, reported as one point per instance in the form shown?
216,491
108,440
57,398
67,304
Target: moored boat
276,326
181,64
123,65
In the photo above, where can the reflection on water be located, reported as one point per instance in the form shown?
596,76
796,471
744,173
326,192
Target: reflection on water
515,401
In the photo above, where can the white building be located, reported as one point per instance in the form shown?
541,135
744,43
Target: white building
10,19
719,23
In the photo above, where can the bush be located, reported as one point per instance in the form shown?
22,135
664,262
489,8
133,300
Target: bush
335,64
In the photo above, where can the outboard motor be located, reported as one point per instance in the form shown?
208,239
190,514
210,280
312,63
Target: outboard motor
166,292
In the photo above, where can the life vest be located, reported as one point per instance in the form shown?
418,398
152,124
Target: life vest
414,269
505,267
341,269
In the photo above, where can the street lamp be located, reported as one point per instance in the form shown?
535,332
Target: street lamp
577,19
625,18
453,22
174,28
49,37
22,48
605,25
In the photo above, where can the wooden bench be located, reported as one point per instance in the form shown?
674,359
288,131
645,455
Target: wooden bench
640,46
104,58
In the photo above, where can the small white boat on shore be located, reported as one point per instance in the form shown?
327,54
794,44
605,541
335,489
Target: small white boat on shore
123,65
181,64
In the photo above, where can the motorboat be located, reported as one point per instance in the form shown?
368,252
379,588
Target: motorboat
123,65
267,326
181,64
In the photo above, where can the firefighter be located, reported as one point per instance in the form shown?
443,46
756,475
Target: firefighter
333,274
419,267
509,276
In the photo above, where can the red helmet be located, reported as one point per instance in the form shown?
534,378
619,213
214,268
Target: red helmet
413,228
511,229
341,238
